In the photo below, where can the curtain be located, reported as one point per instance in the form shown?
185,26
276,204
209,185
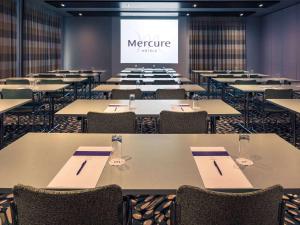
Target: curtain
217,43
8,35
42,42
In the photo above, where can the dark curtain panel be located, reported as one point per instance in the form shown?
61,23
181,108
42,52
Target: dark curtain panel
41,40
7,38
217,43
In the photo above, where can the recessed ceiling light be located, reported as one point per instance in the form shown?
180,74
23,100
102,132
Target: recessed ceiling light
195,5
187,14
62,5
261,5
80,14
242,14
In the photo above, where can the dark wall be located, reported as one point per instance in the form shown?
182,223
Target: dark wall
281,43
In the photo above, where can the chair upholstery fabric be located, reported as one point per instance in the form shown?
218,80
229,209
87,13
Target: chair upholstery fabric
22,93
111,122
17,81
99,206
124,94
197,206
183,122
170,94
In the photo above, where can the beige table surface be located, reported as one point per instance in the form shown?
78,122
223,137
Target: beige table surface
215,75
150,75
36,88
65,80
147,80
262,88
289,104
158,164
9,104
259,80
147,107
149,88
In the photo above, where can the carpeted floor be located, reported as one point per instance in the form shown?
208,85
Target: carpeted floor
148,210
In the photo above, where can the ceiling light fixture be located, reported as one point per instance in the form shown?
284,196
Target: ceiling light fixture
62,5
242,14
261,5
80,14
187,14
195,5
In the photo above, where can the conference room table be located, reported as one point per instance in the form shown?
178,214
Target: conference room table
117,80
89,76
72,81
5,106
227,81
293,106
257,88
40,88
148,70
149,108
156,164
189,88
148,75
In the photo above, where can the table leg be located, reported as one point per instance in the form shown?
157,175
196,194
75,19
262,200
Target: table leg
213,124
294,127
51,108
208,87
83,124
246,110
90,87
75,90
222,91
1,130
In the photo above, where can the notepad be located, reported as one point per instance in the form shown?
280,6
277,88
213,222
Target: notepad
117,108
232,177
182,108
96,158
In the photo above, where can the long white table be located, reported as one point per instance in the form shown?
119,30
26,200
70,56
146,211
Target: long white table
117,80
5,106
158,164
150,108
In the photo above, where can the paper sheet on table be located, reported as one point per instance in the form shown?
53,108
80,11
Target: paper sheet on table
117,108
96,158
232,176
182,108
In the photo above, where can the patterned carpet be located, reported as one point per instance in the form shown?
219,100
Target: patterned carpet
148,210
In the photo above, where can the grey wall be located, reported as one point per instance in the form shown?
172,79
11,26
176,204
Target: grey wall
281,43
87,43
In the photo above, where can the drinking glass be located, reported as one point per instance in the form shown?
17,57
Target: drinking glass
244,140
131,101
195,99
116,155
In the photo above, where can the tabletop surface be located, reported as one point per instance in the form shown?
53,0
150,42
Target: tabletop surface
149,88
289,104
36,88
147,107
119,79
65,80
215,75
9,104
262,88
150,75
259,80
157,164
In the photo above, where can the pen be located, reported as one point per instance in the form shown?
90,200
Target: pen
181,109
116,108
81,167
218,168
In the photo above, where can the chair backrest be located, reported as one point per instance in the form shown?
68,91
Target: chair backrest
134,76
165,82
225,76
73,76
183,122
273,82
129,82
51,81
245,82
47,76
124,94
170,94
278,93
197,206
254,76
111,122
17,81
162,76
99,206
20,93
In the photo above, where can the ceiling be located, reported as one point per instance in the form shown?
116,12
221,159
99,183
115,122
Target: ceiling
238,8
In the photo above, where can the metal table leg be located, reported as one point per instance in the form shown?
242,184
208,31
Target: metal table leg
1,130
246,109
51,108
294,126
75,90
208,87
90,87
213,124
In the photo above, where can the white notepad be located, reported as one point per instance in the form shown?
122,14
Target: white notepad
96,158
232,177
115,108
182,108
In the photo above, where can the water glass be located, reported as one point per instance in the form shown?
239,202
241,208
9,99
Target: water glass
116,155
131,101
244,140
195,100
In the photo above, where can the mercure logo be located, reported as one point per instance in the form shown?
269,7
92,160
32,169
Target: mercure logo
149,44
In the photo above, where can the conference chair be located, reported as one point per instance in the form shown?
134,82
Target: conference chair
97,206
17,81
183,122
269,108
134,76
21,93
161,76
170,94
275,82
41,75
254,76
124,94
165,82
129,82
196,206
124,122
225,76
51,81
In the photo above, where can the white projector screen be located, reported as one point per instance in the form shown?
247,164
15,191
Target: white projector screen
149,41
